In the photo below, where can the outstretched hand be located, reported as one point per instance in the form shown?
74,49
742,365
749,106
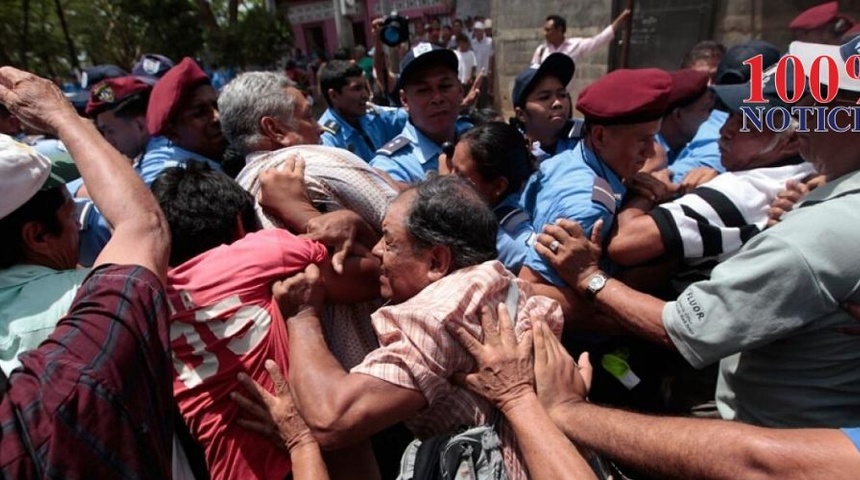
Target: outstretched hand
504,366
273,416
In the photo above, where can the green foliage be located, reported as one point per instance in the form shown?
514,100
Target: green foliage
256,39
119,31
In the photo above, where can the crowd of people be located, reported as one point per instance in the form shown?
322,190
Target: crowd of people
201,282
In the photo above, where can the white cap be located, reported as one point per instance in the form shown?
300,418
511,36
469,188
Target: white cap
478,26
808,52
24,171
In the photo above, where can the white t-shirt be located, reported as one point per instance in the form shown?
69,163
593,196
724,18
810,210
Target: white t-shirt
466,64
483,51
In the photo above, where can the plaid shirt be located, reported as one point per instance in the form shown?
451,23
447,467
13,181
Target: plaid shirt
418,353
95,398
336,179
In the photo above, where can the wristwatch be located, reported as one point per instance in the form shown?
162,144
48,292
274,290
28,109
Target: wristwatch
596,282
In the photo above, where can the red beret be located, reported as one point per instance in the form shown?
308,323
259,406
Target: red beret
626,96
815,17
169,93
111,93
687,86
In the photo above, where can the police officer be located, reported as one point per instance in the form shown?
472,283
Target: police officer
431,94
622,114
689,106
542,106
350,122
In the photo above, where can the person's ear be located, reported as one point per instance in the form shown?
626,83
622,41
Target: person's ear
440,262
36,237
273,129
598,136
500,185
521,115
403,100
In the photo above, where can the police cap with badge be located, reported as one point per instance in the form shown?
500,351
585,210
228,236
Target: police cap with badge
114,93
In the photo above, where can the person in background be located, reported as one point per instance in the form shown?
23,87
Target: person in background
554,29
821,24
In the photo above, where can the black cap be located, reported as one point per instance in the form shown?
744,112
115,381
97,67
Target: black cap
732,70
732,97
558,65
422,55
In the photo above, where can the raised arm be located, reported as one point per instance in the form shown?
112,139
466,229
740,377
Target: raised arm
141,234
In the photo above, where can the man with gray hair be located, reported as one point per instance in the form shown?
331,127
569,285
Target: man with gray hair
268,121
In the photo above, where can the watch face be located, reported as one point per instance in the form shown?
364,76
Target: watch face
596,282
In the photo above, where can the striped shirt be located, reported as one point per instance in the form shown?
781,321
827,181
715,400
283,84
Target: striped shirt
418,353
713,221
95,398
336,179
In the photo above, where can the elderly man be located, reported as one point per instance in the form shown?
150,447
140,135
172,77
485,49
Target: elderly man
778,302
182,119
700,159
430,92
622,114
272,134
438,266
94,400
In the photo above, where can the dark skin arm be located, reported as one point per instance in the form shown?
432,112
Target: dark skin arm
683,447
576,260
340,408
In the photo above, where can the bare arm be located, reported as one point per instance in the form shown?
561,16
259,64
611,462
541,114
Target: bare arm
381,72
694,448
341,408
576,260
636,239
141,235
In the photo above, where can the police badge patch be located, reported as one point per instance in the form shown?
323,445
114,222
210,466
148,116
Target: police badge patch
105,93
151,66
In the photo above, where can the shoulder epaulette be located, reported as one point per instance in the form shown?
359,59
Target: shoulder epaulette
331,127
576,128
510,218
601,192
389,148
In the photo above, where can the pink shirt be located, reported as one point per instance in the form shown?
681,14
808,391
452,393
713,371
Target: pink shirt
225,321
417,352
575,48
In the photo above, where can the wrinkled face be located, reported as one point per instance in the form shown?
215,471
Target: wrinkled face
433,99
404,270
694,115
546,110
832,153
351,101
743,150
305,129
551,33
625,148
128,135
197,127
